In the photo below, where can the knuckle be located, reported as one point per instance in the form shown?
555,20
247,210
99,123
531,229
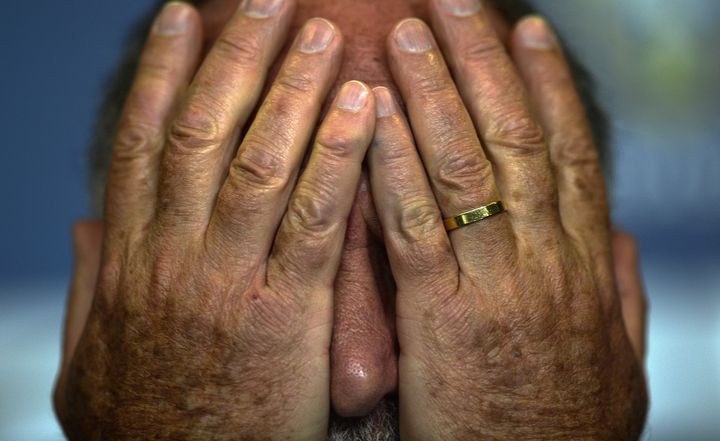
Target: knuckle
518,133
310,211
259,166
418,219
135,140
577,151
240,48
462,168
195,128
337,142
296,82
480,50
157,69
432,83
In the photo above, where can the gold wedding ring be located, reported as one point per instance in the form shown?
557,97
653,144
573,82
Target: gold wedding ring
472,216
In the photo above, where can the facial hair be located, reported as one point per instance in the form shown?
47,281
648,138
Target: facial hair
382,424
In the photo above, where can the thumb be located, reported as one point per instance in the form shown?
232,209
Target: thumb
87,244
631,290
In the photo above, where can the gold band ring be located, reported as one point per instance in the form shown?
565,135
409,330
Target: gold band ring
472,216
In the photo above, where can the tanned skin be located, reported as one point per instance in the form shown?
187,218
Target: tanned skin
209,312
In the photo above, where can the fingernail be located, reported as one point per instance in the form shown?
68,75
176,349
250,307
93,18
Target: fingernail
352,96
316,36
384,102
260,8
173,19
461,8
413,36
535,33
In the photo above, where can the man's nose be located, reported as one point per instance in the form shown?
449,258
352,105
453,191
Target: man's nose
363,354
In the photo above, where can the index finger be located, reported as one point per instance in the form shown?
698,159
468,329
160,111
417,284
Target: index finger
202,138
165,68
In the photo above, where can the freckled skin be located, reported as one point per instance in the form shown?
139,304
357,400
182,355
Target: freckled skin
539,361
363,329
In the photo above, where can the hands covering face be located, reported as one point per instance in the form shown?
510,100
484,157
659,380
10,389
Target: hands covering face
212,311
510,328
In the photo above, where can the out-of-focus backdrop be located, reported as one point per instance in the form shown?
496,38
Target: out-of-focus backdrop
658,67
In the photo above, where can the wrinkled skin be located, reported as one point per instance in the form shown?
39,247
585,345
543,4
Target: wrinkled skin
213,311
510,328
212,315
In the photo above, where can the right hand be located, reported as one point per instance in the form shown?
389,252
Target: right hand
212,313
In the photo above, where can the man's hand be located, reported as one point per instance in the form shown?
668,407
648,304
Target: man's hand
212,312
510,328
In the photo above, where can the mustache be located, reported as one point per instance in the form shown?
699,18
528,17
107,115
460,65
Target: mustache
382,424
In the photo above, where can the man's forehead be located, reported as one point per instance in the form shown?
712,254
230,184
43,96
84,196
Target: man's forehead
355,14
364,24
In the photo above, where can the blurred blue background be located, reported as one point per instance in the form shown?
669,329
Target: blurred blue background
658,67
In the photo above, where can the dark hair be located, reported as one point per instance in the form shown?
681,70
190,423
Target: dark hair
121,80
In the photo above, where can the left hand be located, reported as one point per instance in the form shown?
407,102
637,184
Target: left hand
510,328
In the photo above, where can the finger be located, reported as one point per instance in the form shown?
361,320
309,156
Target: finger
418,246
261,176
87,239
583,203
461,176
631,290
309,242
166,65
498,103
87,244
202,137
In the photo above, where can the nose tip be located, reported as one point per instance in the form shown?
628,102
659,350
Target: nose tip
359,385
363,354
